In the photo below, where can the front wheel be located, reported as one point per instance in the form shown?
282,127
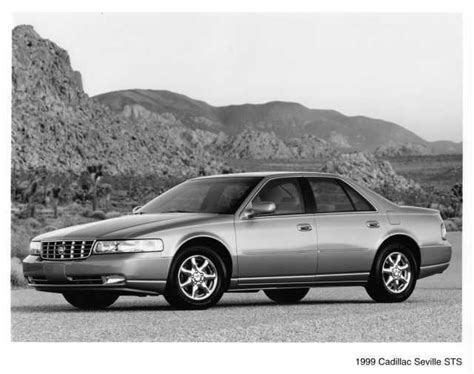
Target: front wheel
287,296
197,279
90,300
394,274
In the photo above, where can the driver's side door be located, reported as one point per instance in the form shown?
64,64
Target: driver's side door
280,246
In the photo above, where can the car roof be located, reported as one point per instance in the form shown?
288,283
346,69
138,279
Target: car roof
263,174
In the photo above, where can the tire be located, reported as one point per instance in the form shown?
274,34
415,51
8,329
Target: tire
197,279
287,296
397,262
90,300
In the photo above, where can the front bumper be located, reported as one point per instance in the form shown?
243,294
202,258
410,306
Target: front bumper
137,273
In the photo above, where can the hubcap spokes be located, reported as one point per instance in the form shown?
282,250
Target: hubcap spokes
396,272
197,277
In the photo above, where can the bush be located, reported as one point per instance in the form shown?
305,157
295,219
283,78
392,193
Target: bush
21,235
458,222
48,229
112,214
87,212
98,214
450,225
16,275
33,223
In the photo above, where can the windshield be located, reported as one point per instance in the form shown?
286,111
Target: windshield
211,195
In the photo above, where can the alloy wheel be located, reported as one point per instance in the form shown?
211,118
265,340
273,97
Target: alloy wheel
197,277
396,272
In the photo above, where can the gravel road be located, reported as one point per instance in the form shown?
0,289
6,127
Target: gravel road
433,313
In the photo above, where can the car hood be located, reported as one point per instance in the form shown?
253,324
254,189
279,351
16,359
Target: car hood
129,226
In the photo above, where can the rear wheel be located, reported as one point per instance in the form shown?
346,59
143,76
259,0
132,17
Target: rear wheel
287,296
197,279
90,300
394,274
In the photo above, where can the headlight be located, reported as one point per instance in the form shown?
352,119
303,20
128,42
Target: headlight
126,246
35,248
443,231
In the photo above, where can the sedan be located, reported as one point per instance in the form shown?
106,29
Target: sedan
280,232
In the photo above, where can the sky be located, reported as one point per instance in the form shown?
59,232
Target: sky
403,68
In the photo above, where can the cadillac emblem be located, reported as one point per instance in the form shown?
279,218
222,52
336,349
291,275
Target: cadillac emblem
61,250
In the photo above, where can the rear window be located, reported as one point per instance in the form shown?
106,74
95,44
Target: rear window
332,195
360,203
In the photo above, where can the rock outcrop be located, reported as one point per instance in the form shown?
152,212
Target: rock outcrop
56,126
257,145
310,147
364,167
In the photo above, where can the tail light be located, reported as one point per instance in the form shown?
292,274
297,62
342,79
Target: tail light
443,231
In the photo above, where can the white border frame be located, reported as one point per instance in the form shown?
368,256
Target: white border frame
232,357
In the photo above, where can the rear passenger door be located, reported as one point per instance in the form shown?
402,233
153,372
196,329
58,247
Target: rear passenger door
348,227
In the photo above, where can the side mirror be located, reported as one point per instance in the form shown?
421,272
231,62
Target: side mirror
135,210
263,207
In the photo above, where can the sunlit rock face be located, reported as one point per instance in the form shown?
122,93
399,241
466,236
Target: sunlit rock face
56,126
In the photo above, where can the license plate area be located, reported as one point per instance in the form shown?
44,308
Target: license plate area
55,272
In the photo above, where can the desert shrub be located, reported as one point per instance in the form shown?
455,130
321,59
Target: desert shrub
112,214
48,228
16,275
458,222
32,223
450,225
72,220
86,212
98,214
21,235
72,208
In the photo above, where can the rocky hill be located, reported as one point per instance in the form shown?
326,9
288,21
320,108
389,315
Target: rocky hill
55,125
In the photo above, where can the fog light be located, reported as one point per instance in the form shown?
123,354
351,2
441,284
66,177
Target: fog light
113,279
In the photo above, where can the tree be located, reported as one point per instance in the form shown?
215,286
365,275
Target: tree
456,192
95,174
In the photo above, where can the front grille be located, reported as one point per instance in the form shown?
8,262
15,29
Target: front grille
66,250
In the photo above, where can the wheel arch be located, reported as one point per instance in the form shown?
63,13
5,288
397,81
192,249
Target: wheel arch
218,246
405,239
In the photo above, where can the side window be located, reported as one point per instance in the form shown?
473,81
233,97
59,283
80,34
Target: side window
330,196
359,202
285,193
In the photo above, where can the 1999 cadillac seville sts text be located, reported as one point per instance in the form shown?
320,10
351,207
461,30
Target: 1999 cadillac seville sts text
278,232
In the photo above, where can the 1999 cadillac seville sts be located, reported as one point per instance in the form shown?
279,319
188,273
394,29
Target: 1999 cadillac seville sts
281,232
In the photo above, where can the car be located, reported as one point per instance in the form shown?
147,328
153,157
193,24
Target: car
280,232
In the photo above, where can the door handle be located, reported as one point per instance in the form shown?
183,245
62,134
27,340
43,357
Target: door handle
304,227
373,224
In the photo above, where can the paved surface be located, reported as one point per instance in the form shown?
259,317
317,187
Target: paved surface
433,313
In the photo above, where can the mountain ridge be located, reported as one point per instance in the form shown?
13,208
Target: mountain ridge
285,119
